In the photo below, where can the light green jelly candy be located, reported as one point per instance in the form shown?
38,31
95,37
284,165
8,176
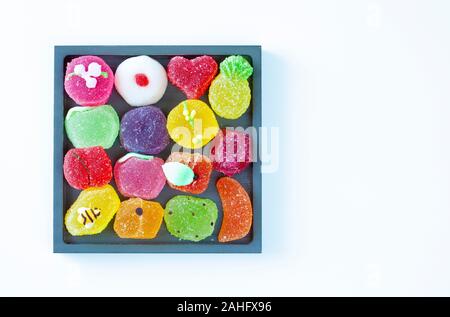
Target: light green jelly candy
190,218
92,126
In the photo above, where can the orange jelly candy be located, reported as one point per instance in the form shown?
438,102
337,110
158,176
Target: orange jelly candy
138,219
200,165
237,210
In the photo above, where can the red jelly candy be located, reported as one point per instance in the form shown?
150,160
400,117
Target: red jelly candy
200,165
237,210
194,76
231,151
87,167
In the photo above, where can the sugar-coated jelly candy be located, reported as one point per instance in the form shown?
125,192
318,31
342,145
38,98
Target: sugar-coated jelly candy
89,80
92,126
190,218
141,80
200,165
237,210
92,211
143,130
138,175
231,151
192,77
87,167
138,219
192,124
229,94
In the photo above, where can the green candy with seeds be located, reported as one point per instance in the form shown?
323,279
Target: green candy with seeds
92,126
190,218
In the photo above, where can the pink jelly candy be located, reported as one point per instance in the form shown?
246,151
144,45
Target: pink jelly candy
89,80
192,77
231,151
87,167
138,175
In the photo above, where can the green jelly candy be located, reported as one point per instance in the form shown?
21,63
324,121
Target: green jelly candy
190,218
92,126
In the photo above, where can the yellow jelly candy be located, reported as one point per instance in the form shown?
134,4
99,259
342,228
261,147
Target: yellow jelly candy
229,94
138,219
92,211
192,124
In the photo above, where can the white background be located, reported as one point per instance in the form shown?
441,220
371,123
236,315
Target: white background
360,204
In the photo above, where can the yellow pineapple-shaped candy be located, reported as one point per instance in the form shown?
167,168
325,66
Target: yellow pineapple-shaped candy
229,94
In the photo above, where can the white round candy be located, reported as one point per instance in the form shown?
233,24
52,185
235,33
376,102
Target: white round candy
141,80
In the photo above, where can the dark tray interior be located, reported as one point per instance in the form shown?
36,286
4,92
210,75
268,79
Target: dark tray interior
171,98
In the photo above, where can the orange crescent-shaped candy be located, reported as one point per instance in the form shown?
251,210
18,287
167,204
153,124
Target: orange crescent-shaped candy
237,210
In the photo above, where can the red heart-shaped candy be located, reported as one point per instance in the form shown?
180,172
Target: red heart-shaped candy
192,77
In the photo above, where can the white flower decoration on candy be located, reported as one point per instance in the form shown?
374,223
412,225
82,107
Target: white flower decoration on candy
94,70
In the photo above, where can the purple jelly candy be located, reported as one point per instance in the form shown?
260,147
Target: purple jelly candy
143,130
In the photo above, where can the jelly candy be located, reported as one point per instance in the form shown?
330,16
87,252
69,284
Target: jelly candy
190,218
141,80
138,175
92,126
192,124
138,219
200,165
237,210
229,94
143,130
89,81
192,76
231,151
92,211
178,173
87,167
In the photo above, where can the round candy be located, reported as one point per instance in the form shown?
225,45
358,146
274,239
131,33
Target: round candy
143,130
92,126
201,167
89,80
141,80
92,211
231,151
138,175
87,167
229,94
190,218
138,219
237,210
192,124
194,76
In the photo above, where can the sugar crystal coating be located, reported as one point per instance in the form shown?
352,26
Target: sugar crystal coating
231,151
237,210
89,80
87,167
92,211
138,219
190,218
143,130
192,124
194,76
200,165
139,176
229,94
141,80
92,126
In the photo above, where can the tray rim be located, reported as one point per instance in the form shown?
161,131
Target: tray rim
60,52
